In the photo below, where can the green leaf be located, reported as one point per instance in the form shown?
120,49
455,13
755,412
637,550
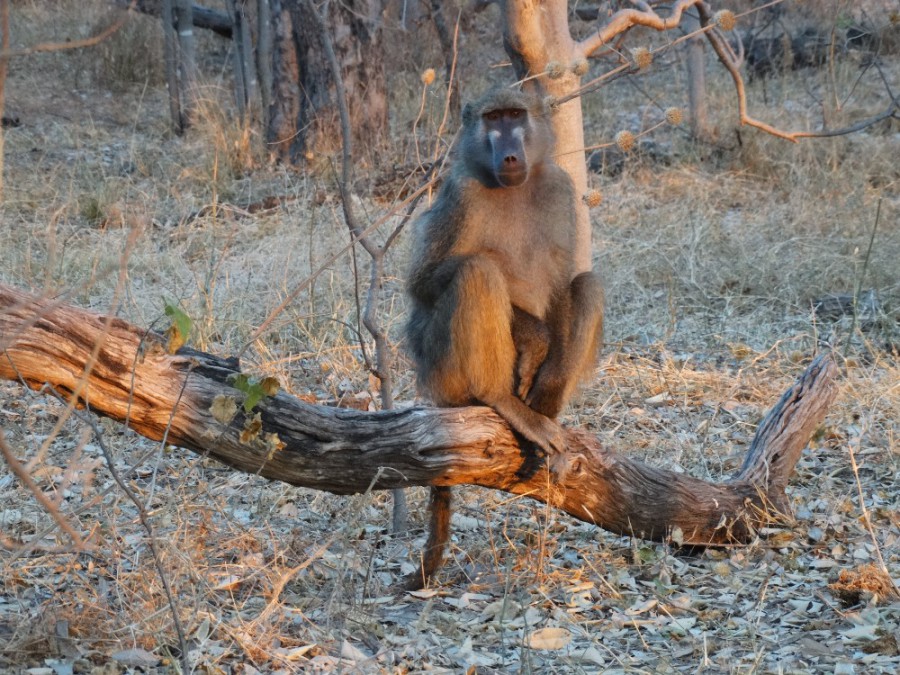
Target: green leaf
180,329
255,389
253,397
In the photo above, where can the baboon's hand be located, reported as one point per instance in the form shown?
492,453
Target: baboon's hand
551,438
544,432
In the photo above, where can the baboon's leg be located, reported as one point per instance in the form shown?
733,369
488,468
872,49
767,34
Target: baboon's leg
438,536
573,356
532,339
481,350
480,364
587,324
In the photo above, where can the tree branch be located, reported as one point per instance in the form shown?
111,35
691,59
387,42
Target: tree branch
203,17
344,451
22,474
732,65
70,44
624,19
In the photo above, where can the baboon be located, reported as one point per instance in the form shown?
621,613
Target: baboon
498,315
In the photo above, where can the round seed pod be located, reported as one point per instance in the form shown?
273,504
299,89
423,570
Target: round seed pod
642,57
625,140
674,116
555,70
725,19
593,198
428,76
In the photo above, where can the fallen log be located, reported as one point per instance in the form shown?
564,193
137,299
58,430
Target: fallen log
190,399
203,17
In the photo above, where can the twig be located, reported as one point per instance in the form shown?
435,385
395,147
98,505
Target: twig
865,511
71,44
95,351
383,366
151,541
303,285
610,144
727,59
283,579
28,547
22,474
859,279
415,127
443,125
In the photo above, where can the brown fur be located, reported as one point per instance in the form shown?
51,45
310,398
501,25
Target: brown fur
497,317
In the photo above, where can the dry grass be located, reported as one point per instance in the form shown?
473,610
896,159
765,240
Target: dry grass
712,263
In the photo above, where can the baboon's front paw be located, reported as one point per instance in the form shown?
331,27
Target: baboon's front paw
559,464
554,449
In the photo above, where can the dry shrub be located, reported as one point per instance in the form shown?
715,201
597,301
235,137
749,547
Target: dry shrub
231,144
132,55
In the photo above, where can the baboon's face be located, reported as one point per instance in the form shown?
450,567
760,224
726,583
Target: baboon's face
505,134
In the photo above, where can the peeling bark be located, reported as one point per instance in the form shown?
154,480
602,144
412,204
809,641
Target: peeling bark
133,378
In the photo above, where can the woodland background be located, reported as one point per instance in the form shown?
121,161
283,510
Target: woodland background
729,258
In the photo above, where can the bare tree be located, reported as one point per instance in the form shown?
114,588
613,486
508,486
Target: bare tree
542,49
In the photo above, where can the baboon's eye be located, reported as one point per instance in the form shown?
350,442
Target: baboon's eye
492,115
515,114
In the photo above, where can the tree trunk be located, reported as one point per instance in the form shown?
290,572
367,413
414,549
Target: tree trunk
248,59
264,52
245,83
187,61
304,115
240,82
534,37
124,372
282,132
170,45
696,73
